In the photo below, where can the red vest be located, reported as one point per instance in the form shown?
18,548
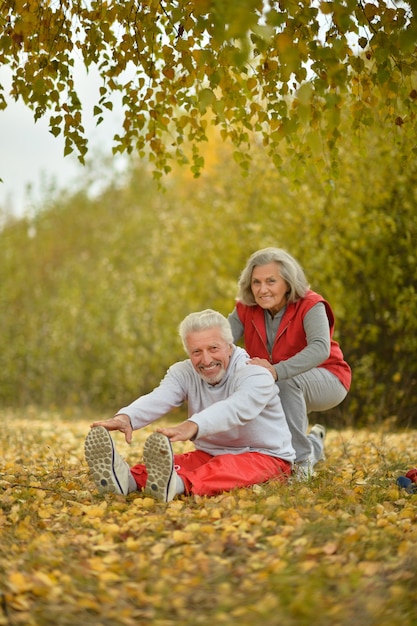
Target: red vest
290,338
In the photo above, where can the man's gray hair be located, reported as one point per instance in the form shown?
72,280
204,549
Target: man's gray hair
290,270
203,320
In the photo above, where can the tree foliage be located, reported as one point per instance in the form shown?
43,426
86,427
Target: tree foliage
283,71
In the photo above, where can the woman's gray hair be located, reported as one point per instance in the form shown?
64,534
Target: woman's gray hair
203,320
290,270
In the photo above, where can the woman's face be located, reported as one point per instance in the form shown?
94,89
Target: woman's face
269,288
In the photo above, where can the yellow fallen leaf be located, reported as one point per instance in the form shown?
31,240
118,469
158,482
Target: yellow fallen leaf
158,549
46,512
194,527
144,503
307,566
369,568
18,582
95,510
109,577
330,548
405,547
277,540
179,536
19,603
408,512
86,602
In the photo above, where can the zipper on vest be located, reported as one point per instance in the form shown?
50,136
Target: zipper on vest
263,342
277,337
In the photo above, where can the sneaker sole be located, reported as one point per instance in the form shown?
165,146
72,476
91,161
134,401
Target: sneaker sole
159,462
99,454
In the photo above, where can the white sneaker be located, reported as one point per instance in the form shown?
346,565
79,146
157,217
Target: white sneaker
109,471
159,461
302,471
320,432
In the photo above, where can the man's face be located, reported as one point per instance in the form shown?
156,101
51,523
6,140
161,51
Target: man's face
209,354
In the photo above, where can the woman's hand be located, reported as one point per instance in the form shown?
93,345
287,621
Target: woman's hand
266,364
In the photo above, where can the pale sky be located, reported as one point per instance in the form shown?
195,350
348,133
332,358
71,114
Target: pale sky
31,156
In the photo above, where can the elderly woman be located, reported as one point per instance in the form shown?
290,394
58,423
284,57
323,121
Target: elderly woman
288,329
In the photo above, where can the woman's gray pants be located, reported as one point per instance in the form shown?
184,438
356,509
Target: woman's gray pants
315,390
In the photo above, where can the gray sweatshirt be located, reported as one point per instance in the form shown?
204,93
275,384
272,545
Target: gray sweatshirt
242,413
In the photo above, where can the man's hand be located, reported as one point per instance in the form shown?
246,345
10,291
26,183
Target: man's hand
266,364
118,422
182,432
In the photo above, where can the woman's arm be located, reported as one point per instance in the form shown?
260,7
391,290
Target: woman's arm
236,325
317,350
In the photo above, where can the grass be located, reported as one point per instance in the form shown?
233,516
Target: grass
338,550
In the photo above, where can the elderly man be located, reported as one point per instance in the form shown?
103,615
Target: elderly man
236,423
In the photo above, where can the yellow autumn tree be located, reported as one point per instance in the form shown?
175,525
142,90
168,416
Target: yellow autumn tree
278,71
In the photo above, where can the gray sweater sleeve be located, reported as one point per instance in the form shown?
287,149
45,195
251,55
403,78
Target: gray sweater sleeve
236,325
317,350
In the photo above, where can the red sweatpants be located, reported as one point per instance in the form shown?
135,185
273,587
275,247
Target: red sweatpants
207,475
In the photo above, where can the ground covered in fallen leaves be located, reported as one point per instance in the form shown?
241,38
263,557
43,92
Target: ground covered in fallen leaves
339,550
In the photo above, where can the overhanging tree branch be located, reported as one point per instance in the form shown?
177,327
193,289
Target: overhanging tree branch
281,72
